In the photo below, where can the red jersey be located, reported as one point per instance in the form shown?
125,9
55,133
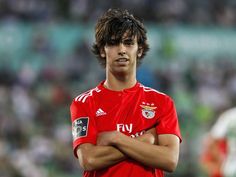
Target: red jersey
132,112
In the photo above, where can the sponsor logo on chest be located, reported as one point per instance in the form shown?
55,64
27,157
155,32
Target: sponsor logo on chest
124,127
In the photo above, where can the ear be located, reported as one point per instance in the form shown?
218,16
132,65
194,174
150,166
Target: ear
140,52
102,53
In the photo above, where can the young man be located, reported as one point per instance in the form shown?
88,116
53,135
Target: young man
122,128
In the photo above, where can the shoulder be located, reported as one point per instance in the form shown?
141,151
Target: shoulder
150,90
162,99
86,96
230,113
228,117
153,92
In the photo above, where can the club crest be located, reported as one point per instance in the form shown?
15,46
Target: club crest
148,110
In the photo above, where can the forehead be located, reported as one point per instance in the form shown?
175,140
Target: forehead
125,36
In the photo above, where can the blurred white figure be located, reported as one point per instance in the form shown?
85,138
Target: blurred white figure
225,128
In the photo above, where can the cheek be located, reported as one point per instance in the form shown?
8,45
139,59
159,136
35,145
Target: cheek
109,56
108,52
134,52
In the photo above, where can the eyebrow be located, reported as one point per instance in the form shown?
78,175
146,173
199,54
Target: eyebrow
123,39
128,39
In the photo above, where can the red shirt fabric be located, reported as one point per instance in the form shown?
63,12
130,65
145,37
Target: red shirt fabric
132,112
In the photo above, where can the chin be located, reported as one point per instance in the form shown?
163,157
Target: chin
120,72
122,69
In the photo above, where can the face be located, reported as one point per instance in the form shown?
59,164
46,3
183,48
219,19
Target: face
121,56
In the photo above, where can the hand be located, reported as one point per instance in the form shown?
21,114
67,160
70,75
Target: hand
107,138
150,136
151,131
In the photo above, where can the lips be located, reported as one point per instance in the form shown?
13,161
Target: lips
122,60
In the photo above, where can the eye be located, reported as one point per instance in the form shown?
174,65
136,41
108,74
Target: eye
112,42
128,42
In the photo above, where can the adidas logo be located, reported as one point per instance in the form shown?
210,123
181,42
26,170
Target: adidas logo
100,112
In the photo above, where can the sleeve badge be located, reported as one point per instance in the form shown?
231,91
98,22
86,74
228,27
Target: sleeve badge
80,127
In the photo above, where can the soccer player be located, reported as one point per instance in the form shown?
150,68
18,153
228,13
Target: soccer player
121,127
219,156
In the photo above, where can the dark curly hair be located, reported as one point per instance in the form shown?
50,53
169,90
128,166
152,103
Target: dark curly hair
116,22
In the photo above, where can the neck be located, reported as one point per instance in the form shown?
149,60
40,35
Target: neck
118,83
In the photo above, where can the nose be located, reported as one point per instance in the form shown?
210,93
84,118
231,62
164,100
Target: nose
121,49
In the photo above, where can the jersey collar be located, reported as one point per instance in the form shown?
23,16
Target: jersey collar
132,89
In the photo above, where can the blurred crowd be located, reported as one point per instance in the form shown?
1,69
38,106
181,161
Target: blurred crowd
180,11
38,85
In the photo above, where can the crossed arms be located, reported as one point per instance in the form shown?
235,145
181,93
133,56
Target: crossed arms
157,151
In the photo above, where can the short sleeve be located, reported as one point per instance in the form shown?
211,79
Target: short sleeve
83,125
168,120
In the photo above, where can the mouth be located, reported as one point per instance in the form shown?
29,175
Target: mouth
122,60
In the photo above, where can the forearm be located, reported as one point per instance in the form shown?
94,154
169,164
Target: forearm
93,157
163,157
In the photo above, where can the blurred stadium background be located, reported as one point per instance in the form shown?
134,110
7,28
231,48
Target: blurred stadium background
45,61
